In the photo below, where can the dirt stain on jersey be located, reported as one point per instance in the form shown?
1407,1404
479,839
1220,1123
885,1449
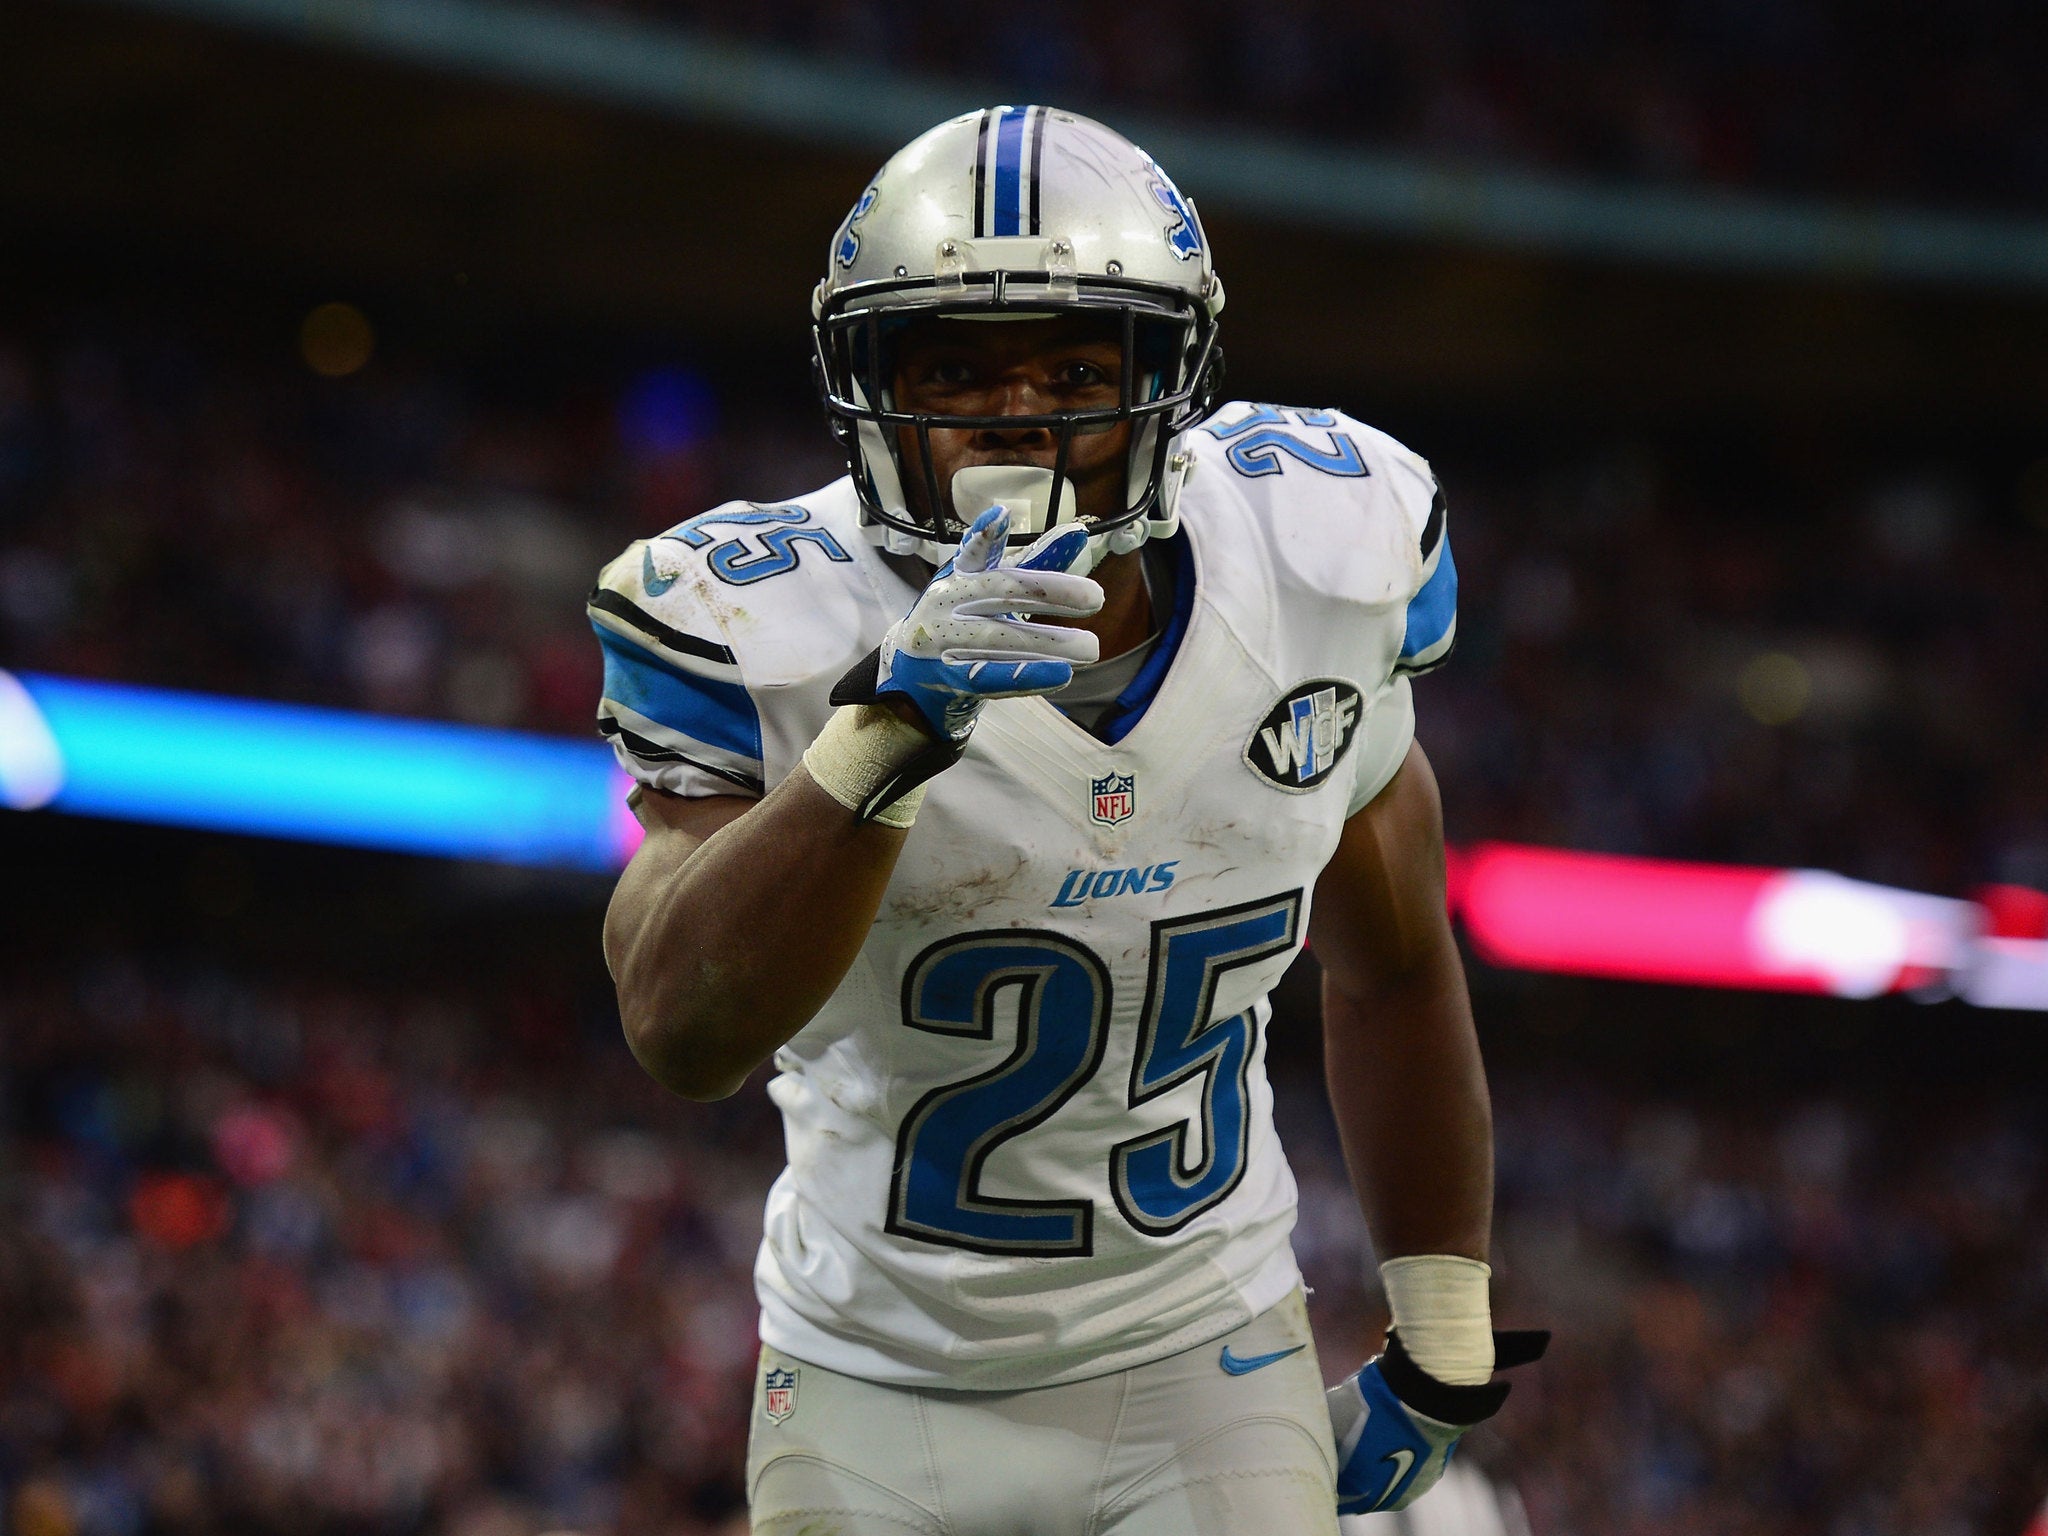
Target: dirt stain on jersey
956,900
731,617
1213,837
848,1103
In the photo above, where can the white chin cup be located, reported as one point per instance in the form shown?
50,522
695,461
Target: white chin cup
1024,490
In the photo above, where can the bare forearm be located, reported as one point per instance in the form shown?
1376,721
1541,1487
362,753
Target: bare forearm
1409,1094
723,950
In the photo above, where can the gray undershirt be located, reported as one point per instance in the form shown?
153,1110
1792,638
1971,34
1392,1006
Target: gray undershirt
1088,699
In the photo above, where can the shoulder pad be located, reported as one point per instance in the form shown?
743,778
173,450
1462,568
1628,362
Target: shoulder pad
673,697
1349,511
745,606
787,583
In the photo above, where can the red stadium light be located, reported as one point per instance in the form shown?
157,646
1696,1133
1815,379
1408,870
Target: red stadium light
1705,925
333,776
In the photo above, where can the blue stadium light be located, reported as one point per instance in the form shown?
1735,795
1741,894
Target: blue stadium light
667,410
331,776
323,775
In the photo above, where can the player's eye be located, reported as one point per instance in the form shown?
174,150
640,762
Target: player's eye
1080,374
950,371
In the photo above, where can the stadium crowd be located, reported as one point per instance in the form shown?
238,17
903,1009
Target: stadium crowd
1745,648
287,1255
1806,96
286,1250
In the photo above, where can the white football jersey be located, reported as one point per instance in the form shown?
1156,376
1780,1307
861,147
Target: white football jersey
1030,1136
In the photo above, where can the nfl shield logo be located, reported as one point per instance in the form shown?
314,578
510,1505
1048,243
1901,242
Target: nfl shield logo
1115,798
778,1395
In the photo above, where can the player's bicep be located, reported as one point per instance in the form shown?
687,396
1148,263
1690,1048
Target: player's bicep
685,821
674,828
1379,918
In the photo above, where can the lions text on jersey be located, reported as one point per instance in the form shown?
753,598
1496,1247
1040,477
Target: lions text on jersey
1030,1136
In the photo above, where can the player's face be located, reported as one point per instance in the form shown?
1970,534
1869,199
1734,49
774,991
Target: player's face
955,367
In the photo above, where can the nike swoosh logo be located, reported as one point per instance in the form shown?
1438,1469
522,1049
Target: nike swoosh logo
650,578
1244,1365
1402,1461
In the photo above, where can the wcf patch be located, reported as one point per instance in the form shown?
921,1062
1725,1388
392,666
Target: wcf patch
1305,735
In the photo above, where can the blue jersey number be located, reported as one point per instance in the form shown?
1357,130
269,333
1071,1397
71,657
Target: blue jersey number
1262,437
738,562
1062,998
1062,995
1158,1187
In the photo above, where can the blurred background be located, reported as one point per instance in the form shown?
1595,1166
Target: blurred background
342,340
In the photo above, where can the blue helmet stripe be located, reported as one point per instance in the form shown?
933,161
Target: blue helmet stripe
1009,208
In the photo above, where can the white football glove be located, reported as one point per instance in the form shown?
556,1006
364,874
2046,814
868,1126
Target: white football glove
970,638
1397,1427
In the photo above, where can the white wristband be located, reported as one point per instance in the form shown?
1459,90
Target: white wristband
1440,1305
860,747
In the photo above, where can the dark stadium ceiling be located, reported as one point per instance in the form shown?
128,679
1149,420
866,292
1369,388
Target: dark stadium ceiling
132,129
624,60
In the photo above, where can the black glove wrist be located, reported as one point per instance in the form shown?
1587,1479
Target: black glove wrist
1459,1406
857,686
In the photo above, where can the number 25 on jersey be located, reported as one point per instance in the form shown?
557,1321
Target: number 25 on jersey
1062,999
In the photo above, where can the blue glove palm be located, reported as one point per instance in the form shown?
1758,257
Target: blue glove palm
969,637
1397,1427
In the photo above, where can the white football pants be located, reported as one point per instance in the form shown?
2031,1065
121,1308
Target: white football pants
1178,1447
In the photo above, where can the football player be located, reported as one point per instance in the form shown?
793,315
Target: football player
987,792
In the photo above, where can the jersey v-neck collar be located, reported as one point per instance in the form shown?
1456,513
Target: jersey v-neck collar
1135,702
1152,690
1131,704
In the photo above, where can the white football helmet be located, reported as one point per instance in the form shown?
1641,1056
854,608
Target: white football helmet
1014,212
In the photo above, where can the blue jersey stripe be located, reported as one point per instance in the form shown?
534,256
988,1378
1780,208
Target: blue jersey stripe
1432,610
1131,704
721,714
1010,171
